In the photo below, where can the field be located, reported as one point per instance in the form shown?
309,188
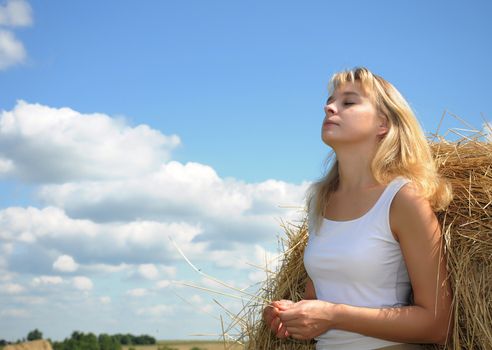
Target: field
186,345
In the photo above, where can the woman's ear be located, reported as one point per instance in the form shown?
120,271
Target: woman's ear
383,126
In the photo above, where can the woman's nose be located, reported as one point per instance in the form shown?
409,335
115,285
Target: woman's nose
330,109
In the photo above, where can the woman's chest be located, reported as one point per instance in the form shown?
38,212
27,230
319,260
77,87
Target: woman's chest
350,206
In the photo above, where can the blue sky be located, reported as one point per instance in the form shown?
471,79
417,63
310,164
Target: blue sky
123,123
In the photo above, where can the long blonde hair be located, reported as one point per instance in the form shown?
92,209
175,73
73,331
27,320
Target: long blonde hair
403,151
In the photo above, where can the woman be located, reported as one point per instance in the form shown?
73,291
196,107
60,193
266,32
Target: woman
374,242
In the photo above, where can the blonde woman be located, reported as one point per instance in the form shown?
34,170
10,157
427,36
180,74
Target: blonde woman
377,276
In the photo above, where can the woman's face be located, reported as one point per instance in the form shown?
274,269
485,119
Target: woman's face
351,118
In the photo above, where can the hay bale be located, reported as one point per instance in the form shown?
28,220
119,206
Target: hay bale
30,345
467,230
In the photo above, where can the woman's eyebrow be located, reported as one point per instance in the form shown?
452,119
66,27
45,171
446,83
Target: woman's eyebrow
345,93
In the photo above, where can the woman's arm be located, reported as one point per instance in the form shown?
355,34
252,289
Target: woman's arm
427,321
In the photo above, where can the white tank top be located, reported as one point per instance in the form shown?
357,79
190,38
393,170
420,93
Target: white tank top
358,262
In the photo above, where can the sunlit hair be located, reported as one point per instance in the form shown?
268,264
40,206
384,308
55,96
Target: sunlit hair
403,151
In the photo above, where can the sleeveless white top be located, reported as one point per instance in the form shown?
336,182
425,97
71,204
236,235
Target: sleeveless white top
359,263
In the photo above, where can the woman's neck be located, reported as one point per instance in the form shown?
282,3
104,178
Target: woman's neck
354,169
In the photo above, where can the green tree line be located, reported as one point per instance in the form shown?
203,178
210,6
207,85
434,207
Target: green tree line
90,341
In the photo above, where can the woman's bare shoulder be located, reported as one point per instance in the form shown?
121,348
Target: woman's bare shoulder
410,209
409,197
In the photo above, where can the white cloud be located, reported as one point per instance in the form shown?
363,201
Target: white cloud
5,276
257,276
46,280
184,191
14,313
206,308
106,268
148,271
196,299
163,284
65,263
197,303
11,288
156,311
153,271
137,292
168,270
30,300
82,283
110,244
112,196
226,209
11,52
222,285
6,165
113,172
5,250
242,256
16,13
105,300
60,144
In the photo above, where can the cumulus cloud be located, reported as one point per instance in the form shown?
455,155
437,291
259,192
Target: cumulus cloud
5,276
11,288
199,304
50,229
106,268
153,271
46,280
196,299
6,165
156,311
137,292
226,209
163,284
82,283
11,52
169,271
14,313
105,300
257,276
148,271
232,258
46,144
110,196
16,13
65,263
111,172
5,250
175,190
30,300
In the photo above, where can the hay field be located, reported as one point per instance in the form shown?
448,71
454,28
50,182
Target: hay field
186,345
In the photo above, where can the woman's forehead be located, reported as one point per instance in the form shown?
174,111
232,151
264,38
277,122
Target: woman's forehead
351,88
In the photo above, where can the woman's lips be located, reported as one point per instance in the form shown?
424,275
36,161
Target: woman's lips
329,122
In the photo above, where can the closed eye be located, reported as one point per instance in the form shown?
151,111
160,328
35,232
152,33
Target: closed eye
348,103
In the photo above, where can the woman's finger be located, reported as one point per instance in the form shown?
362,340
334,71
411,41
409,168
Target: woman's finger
275,324
283,304
288,315
282,332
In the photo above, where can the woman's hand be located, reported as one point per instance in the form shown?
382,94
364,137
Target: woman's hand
306,319
270,315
